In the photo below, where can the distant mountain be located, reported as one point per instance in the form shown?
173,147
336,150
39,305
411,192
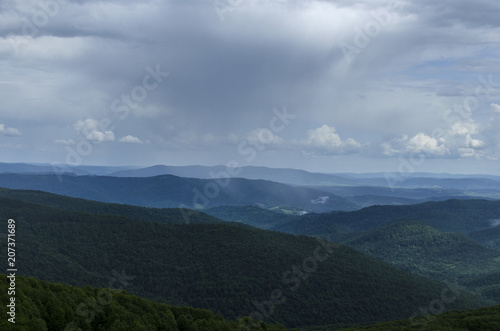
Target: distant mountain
172,191
361,190
193,171
233,270
43,168
164,215
431,181
462,216
415,174
417,194
287,176
451,183
302,177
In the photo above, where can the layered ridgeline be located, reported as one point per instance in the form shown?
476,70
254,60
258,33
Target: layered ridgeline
42,306
463,216
232,270
159,215
171,191
385,233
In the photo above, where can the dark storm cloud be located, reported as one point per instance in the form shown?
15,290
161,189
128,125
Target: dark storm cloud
230,66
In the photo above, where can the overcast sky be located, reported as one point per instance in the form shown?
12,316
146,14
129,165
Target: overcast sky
332,86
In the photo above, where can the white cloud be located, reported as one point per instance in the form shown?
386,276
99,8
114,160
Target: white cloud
463,128
131,139
9,132
495,108
92,131
325,140
456,142
475,143
422,143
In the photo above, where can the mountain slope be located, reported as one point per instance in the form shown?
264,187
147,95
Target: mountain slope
250,215
234,271
489,237
463,216
172,191
482,319
164,215
41,305
423,250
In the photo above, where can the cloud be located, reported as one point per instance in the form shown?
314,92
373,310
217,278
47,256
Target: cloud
457,142
422,143
9,132
418,144
492,134
92,131
325,140
227,75
130,139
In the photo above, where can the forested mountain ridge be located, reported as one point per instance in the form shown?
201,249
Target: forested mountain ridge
172,192
482,319
423,250
233,270
390,234
42,306
160,215
463,216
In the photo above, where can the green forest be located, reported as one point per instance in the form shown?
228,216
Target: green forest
482,319
44,306
235,270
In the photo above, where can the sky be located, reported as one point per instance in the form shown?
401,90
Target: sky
326,86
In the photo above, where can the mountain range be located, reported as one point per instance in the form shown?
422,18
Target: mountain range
288,247
231,269
361,190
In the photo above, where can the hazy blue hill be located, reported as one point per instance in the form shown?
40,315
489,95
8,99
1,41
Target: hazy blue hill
173,191
43,168
434,181
287,176
193,171
391,195
231,270
164,215
423,250
27,168
396,192
452,183
463,216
